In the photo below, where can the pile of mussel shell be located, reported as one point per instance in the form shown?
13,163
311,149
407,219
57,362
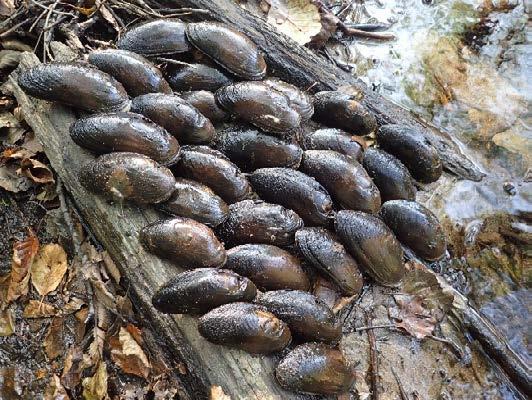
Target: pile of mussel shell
269,187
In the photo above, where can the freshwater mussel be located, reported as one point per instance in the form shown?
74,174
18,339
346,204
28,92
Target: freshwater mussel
245,326
76,85
269,267
416,227
200,290
137,74
183,241
206,104
334,139
128,176
125,132
189,77
299,100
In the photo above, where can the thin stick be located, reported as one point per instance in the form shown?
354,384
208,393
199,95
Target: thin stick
373,360
402,391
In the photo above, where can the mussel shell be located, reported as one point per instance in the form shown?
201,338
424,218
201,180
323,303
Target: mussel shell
315,368
177,116
258,104
137,74
324,252
307,316
229,48
269,267
196,77
373,245
157,37
194,200
333,139
76,85
343,111
126,132
185,242
259,222
245,326
344,178
200,290
296,191
298,99
206,104
389,175
411,147
128,176
416,227
250,149
212,168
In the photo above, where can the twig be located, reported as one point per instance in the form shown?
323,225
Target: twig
365,328
170,61
402,391
346,30
373,360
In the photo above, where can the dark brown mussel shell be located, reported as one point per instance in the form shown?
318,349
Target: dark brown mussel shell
343,111
411,147
188,77
344,178
212,168
155,38
315,368
298,99
252,221
177,116
373,245
333,139
324,252
416,227
76,85
194,200
128,176
389,175
295,190
206,104
137,74
250,149
200,290
129,132
185,242
269,267
258,104
307,316
229,48
246,327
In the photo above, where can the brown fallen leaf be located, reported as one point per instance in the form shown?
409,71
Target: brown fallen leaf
300,20
38,309
36,171
55,391
127,353
7,326
10,127
95,387
73,368
23,254
7,7
48,268
11,181
53,342
217,393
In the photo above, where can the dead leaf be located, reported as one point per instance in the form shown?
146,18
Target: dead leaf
107,15
217,393
9,126
111,267
36,171
48,268
7,326
127,353
39,309
17,153
31,143
73,368
95,387
11,181
7,7
23,254
298,19
55,391
53,342
103,294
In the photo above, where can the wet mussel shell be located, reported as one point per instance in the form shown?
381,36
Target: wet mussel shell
344,178
299,100
373,245
200,290
212,168
76,85
322,249
333,139
229,48
177,116
185,242
269,267
308,317
315,368
343,111
189,77
128,176
250,149
194,200
252,221
206,104
416,227
125,132
245,326
294,190
389,175
157,37
137,74
260,105
411,147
